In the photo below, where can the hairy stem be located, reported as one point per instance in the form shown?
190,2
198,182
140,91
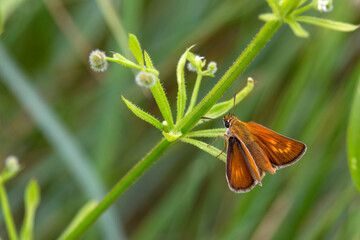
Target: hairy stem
120,187
7,212
195,93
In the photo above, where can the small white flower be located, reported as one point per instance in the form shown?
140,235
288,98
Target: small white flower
145,79
12,163
191,67
98,61
212,67
324,5
198,58
197,61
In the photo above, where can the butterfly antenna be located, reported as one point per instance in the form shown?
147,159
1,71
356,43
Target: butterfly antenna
210,118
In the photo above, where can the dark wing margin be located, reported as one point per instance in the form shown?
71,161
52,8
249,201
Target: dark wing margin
237,171
281,151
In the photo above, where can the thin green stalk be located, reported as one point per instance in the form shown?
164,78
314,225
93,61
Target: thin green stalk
7,212
195,93
303,9
59,137
288,6
263,36
186,124
120,187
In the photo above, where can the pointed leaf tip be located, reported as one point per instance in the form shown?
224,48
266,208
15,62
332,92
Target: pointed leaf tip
326,23
135,48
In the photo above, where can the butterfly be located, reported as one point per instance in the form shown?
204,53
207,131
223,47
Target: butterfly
253,150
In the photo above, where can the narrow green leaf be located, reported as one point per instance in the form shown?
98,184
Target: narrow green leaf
354,138
302,9
123,61
302,2
32,200
6,212
207,133
206,148
83,212
338,26
195,92
181,94
274,6
143,115
161,100
220,109
149,65
135,48
32,197
267,17
297,28
148,61
191,56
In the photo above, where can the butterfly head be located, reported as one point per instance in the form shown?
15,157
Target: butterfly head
227,120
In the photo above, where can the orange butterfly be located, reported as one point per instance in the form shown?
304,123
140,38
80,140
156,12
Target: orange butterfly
253,150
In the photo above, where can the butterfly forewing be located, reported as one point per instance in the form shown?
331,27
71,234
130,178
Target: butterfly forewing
237,170
281,151
258,155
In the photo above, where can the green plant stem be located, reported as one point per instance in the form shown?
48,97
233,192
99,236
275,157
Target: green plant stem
288,6
303,9
7,212
263,36
120,187
195,93
186,124
62,141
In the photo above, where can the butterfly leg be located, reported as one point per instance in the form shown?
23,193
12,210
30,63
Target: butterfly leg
214,141
224,136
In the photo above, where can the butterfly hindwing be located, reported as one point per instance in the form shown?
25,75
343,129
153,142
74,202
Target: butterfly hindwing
238,173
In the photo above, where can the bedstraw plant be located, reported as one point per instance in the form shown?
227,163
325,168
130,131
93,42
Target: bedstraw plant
178,125
179,129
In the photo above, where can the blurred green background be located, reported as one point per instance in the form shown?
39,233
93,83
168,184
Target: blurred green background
72,132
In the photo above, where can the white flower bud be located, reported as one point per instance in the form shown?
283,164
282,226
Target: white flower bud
98,61
198,63
324,5
145,79
212,67
12,163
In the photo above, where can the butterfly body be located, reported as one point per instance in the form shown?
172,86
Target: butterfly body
253,150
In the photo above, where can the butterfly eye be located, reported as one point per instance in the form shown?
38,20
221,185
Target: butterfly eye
227,125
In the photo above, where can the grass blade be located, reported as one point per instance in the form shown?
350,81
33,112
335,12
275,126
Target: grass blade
58,136
354,138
